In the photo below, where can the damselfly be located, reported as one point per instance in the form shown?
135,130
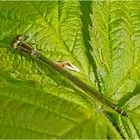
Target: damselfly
19,42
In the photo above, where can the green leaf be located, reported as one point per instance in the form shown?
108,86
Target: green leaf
115,43
101,38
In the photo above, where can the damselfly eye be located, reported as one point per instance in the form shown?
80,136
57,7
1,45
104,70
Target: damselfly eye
17,40
21,37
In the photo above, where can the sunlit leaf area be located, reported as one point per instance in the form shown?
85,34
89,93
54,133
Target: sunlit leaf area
100,40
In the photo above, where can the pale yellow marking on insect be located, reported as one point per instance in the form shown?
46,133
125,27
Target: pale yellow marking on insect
68,65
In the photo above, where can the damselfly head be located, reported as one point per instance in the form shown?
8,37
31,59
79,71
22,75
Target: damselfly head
17,40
